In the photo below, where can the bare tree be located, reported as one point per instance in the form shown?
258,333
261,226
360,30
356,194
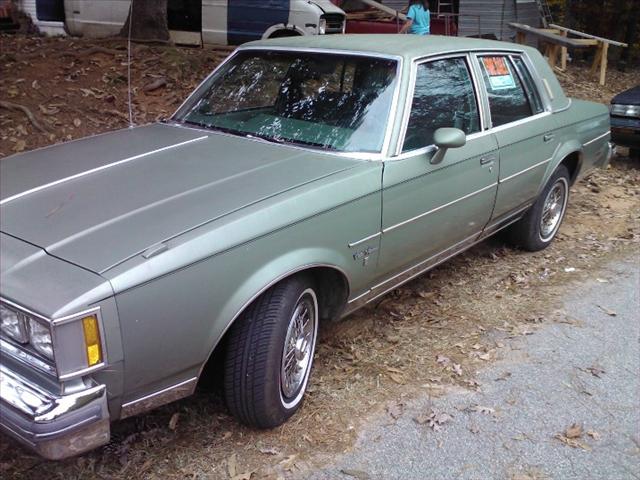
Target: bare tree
148,20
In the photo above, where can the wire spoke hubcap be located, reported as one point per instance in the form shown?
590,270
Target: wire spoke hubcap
552,210
298,346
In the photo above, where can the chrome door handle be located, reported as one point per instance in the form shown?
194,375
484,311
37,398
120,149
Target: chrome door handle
548,137
488,160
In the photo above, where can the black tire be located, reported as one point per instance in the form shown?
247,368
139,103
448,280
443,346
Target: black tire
528,232
634,153
254,389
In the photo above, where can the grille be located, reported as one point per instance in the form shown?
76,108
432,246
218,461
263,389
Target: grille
335,22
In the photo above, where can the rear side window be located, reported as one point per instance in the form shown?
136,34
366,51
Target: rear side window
508,100
443,97
529,85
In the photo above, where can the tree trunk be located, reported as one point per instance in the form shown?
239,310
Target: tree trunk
631,35
148,19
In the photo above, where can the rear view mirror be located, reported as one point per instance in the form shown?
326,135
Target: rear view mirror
445,138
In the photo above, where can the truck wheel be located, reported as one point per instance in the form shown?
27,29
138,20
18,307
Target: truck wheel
539,226
270,354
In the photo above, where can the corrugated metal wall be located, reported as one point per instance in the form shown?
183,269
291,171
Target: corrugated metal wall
494,15
528,14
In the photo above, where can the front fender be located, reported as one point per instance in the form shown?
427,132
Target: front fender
273,272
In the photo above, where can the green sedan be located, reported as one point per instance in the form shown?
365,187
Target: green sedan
304,178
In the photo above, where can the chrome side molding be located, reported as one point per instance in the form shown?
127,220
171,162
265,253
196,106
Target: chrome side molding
161,397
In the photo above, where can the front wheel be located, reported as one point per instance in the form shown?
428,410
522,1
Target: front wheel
270,354
539,226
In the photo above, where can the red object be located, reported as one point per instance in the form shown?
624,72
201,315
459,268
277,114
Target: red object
438,26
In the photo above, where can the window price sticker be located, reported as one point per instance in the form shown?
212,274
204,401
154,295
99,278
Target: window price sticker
500,76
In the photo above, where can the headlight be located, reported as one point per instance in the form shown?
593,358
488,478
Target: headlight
625,110
13,324
322,26
40,338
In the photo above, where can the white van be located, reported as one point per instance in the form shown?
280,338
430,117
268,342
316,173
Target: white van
229,22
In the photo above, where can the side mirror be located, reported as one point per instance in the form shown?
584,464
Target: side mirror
445,138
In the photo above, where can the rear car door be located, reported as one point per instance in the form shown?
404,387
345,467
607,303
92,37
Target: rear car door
430,210
523,129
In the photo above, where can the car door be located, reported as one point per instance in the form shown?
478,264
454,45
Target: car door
432,210
523,129
214,21
247,20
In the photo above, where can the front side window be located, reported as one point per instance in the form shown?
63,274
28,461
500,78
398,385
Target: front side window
508,101
328,101
443,97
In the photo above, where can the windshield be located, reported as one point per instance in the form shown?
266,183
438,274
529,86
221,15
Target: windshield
329,101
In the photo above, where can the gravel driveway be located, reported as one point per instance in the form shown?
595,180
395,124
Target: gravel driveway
563,403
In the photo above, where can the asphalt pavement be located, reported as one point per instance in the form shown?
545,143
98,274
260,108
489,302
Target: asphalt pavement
562,403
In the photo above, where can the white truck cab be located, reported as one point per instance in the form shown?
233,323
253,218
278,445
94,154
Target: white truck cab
228,22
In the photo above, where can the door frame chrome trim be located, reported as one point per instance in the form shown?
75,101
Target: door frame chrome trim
433,210
98,169
505,179
366,239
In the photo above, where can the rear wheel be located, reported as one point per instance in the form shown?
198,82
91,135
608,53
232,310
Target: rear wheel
270,354
539,226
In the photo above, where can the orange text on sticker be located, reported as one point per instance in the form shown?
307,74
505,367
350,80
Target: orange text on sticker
495,66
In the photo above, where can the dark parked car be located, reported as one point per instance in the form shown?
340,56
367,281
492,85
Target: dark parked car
625,120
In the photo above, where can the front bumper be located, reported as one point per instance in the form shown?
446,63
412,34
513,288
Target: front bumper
625,132
55,426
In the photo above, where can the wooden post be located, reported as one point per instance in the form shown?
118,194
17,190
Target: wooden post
520,38
553,54
563,54
597,58
603,63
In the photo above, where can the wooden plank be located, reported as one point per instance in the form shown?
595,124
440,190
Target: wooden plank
551,37
585,41
384,8
587,35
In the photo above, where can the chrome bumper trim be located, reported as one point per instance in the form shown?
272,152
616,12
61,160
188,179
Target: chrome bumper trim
55,426
611,152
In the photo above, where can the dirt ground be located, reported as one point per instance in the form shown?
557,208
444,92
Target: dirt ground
432,333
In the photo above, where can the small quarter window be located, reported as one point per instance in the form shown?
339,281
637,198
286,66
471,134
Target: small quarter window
508,101
443,97
529,85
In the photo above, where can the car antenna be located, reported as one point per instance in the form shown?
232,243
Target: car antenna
131,124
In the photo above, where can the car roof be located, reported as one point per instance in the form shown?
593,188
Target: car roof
407,46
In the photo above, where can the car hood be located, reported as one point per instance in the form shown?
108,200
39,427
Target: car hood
628,97
98,201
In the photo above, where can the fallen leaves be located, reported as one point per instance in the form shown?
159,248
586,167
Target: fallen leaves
595,370
608,311
173,423
395,410
571,435
449,365
482,409
433,419
359,474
